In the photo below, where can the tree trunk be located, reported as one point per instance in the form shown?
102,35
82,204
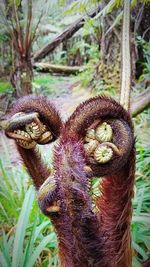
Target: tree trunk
141,102
51,68
21,42
69,32
21,77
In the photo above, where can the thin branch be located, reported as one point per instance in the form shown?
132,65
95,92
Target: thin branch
5,21
18,29
116,22
112,29
126,58
144,33
32,38
11,30
28,27
138,18
34,32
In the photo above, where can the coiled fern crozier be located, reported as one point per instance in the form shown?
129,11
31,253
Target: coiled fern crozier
87,236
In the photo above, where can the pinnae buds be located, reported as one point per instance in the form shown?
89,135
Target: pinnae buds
107,132
103,154
31,134
34,120
96,146
103,132
47,197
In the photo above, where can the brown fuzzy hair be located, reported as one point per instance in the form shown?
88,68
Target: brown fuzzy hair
87,237
38,170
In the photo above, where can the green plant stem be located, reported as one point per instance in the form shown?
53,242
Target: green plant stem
126,59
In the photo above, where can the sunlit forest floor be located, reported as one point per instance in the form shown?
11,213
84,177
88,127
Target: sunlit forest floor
24,230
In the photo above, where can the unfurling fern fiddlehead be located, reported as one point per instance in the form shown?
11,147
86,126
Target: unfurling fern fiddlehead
87,237
117,167
43,128
97,140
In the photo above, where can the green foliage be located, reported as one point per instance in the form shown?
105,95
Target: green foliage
86,76
61,2
145,46
79,6
45,84
26,235
21,227
50,85
82,6
44,79
5,87
86,50
11,3
141,202
99,87
24,247
60,58
9,213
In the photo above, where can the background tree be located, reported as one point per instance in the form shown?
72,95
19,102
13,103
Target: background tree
28,238
21,41
21,29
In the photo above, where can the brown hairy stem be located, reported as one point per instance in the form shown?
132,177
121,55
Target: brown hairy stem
87,237
117,186
38,170
75,186
31,106
115,210
45,109
104,109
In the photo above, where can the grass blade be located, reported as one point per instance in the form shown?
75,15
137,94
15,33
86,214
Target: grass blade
40,248
21,227
3,261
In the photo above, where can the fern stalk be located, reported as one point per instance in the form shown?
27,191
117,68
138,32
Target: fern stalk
126,58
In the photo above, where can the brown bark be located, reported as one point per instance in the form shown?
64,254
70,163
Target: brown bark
66,34
21,77
46,67
20,41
